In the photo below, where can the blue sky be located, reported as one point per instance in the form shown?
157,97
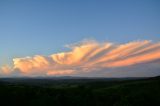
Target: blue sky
30,27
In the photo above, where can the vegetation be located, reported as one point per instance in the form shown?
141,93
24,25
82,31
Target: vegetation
80,92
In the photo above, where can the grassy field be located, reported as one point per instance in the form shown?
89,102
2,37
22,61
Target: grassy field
80,92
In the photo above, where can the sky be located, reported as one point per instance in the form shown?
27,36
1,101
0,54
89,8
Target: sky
36,35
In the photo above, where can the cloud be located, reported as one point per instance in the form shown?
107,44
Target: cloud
60,72
92,58
5,70
29,64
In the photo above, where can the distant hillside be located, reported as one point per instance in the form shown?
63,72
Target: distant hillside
80,92
62,79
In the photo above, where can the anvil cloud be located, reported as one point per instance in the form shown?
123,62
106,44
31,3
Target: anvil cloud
91,58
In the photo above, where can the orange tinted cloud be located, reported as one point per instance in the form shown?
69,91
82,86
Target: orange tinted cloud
6,70
76,55
60,72
88,57
29,64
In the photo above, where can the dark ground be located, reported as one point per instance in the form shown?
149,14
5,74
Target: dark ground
79,92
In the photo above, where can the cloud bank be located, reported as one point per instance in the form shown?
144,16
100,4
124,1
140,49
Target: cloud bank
91,58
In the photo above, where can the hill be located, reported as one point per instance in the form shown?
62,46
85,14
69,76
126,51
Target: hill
80,92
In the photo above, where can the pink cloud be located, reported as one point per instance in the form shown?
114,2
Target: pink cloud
88,57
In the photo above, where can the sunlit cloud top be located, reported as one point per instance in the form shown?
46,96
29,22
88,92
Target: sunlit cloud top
92,58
